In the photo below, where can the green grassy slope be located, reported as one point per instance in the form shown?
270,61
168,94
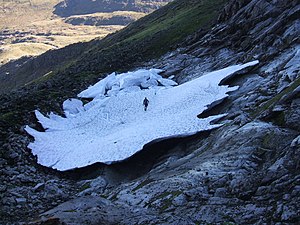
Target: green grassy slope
149,37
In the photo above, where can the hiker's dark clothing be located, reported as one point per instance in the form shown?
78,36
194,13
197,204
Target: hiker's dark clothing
145,103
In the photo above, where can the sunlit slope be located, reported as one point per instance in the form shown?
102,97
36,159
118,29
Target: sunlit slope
32,23
21,13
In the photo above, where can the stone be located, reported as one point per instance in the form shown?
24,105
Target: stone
99,182
23,178
3,188
296,142
38,187
221,192
3,162
21,200
8,201
180,200
92,186
288,213
296,191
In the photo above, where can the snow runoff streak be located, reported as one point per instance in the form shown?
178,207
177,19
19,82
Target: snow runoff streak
114,126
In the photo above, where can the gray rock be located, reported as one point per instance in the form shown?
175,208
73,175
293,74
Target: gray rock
38,187
296,191
99,209
99,182
8,201
289,213
180,200
3,162
21,200
221,192
3,188
92,186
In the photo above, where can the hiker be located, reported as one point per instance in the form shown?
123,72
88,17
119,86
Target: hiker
145,103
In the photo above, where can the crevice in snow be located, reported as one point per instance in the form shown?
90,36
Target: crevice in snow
114,126
213,108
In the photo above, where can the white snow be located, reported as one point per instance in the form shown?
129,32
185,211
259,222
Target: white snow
114,126
72,106
127,82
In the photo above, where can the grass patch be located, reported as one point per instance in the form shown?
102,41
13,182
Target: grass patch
144,183
85,186
114,197
267,140
168,201
148,38
273,101
279,119
7,117
70,211
175,24
42,79
165,202
104,196
158,32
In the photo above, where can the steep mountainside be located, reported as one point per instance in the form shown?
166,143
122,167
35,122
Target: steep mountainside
246,172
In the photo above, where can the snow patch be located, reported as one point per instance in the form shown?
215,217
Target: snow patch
114,126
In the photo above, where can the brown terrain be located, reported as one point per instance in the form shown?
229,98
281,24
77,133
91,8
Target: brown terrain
30,27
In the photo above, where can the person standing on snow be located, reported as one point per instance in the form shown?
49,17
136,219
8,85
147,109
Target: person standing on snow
145,103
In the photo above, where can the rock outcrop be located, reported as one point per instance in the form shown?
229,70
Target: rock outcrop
102,19
78,7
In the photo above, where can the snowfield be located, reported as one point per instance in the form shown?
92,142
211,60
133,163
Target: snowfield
114,126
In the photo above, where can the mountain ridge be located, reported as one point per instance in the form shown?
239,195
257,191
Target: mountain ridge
77,7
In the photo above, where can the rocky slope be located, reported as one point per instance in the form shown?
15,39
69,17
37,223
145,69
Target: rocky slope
246,172
102,19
